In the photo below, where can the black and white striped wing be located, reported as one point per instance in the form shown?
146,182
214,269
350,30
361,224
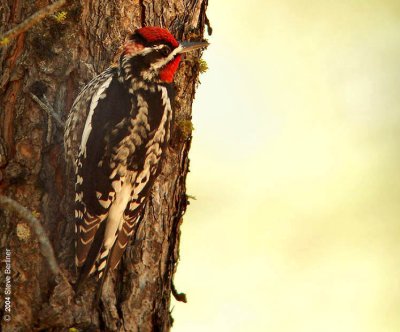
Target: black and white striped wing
122,143
147,139
105,126
79,112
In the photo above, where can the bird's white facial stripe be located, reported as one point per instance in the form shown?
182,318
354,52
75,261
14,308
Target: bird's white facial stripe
148,50
163,61
155,67
176,51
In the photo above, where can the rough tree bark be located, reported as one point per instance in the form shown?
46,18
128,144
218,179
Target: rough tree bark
52,61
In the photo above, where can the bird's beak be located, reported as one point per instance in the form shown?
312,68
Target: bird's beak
191,46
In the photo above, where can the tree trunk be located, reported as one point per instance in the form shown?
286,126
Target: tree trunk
52,61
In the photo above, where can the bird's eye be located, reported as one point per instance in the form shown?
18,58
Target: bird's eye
165,50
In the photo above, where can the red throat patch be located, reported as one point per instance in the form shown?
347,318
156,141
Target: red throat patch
168,72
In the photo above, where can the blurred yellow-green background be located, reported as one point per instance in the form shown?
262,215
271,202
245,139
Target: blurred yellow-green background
295,165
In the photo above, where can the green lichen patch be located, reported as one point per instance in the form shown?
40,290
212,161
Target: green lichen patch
185,127
60,17
23,232
203,66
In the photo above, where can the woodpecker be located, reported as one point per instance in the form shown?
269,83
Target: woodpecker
116,136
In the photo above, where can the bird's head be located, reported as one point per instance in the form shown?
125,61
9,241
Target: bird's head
153,54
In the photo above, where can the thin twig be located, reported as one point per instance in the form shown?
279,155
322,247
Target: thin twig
49,129
181,297
30,21
45,246
45,105
208,24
